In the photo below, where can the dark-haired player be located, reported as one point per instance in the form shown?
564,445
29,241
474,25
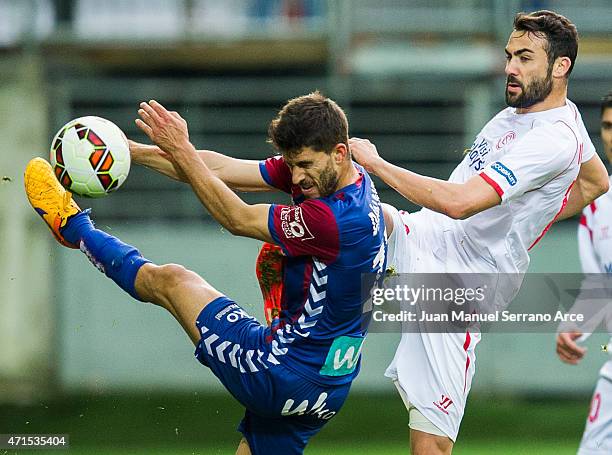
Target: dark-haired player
294,376
531,165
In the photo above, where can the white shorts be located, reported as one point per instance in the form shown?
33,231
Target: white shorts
597,437
435,370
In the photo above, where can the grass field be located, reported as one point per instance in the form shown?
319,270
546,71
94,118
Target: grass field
519,448
201,424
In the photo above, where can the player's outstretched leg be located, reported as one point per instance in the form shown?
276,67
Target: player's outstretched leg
180,291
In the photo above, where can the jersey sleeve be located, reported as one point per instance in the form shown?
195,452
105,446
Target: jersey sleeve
543,153
588,149
308,229
276,173
588,257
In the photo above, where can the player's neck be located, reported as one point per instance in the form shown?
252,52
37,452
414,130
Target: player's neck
557,98
348,177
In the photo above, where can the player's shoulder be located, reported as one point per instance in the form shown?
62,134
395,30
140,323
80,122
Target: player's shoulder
556,129
564,118
502,117
354,196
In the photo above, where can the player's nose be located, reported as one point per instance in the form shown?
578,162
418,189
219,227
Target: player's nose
511,68
297,175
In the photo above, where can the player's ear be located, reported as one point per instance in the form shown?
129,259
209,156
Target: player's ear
341,152
561,66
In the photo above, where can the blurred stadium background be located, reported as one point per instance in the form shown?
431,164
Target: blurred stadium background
418,77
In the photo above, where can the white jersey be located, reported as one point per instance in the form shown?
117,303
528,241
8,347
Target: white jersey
595,248
530,160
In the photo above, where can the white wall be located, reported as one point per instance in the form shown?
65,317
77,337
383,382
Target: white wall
26,325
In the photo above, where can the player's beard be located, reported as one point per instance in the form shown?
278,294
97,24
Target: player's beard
536,92
328,180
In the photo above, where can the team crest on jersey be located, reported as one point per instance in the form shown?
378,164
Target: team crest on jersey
293,225
505,139
504,172
477,154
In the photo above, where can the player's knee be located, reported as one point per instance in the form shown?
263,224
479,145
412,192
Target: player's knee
161,281
432,449
429,444
171,276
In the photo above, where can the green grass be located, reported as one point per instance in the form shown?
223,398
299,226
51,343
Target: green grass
201,424
380,448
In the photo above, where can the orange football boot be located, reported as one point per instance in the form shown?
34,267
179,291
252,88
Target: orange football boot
49,198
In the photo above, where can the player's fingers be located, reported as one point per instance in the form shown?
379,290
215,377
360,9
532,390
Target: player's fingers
145,128
160,110
565,357
144,115
568,343
570,352
151,114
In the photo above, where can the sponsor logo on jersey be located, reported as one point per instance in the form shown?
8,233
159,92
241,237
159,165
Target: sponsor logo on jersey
293,225
504,172
444,403
233,313
343,356
476,155
505,139
319,408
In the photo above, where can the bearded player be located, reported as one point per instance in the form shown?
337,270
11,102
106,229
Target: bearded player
595,247
513,183
294,376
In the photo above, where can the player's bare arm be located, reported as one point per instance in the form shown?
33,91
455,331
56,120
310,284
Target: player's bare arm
592,182
238,174
152,157
456,200
387,214
170,133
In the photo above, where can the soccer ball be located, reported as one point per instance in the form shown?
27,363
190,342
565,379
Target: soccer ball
90,156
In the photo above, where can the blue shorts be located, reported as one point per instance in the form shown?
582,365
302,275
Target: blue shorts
283,409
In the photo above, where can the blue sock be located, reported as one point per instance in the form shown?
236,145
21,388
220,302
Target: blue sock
77,226
119,261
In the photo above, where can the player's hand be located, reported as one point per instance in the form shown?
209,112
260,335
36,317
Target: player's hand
365,153
166,129
567,348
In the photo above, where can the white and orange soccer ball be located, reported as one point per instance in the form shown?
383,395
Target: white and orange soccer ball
90,156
